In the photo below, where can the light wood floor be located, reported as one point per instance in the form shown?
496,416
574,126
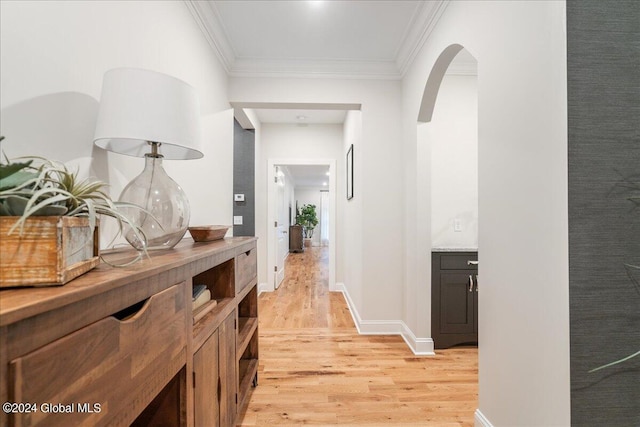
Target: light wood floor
316,369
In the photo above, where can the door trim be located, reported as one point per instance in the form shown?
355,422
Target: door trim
271,200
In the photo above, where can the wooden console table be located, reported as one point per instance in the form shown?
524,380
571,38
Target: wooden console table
122,346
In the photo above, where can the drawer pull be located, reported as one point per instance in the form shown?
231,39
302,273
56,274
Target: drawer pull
131,311
472,262
470,283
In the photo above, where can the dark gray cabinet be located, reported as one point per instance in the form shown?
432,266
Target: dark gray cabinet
295,238
454,298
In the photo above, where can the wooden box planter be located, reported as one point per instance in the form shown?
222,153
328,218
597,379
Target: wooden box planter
50,250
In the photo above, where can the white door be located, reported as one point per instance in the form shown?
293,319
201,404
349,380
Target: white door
282,227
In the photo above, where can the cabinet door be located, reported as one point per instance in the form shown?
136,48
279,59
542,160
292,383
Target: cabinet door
227,369
205,368
457,309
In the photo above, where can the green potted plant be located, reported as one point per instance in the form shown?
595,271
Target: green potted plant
49,222
308,219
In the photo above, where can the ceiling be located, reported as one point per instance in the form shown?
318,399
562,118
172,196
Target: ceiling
378,39
300,116
304,38
311,38
309,175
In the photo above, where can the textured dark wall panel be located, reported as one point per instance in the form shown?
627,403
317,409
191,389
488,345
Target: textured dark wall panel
243,179
603,49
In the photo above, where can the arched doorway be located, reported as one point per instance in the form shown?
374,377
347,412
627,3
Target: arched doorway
447,148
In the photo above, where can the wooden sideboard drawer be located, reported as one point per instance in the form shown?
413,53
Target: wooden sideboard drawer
246,268
105,373
459,261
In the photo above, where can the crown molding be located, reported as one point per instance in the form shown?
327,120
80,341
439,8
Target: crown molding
208,19
312,68
424,21
421,27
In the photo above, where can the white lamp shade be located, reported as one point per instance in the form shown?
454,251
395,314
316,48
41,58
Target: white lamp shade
137,106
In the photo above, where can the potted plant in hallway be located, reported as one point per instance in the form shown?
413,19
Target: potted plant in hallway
307,218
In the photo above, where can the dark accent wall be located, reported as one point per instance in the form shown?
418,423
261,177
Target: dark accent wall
603,70
244,179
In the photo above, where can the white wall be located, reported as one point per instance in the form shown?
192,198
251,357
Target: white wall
523,229
379,159
349,221
454,164
289,195
53,57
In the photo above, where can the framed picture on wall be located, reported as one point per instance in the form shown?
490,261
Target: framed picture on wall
350,173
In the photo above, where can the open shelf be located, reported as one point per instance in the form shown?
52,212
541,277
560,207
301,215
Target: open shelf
219,282
210,320
250,368
165,408
251,372
247,342
247,373
215,305
246,329
247,320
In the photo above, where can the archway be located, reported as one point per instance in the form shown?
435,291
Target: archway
447,189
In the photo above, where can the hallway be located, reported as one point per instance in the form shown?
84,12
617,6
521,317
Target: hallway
316,369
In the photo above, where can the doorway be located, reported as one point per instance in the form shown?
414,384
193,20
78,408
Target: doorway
448,140
281,204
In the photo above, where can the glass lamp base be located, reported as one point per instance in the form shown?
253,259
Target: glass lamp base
165,218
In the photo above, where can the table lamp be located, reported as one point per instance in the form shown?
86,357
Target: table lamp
152,115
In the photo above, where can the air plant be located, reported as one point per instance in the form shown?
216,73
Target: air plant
35,186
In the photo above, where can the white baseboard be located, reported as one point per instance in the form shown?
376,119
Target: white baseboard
264,287
480,420
419,346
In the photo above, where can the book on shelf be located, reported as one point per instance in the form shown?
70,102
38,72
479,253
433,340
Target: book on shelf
197,290
203,298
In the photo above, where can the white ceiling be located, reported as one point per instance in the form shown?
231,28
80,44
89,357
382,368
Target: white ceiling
309,175
330,38
303,38
300,116
316,30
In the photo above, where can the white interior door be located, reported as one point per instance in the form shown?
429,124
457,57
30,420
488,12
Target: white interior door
282,227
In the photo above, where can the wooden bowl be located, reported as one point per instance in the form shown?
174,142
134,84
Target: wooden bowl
207,233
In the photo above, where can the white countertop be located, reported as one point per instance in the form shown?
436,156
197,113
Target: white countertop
454,249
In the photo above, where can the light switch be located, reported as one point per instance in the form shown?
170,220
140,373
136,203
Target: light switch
237,220
238,197
457,225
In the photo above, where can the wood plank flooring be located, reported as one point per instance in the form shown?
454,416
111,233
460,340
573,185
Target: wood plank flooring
315,369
